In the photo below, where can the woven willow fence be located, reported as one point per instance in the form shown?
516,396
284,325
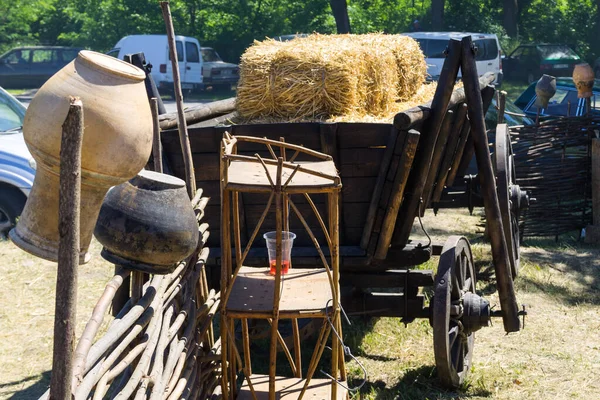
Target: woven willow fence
161,344
553,163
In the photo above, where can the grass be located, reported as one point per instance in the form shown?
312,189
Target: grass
513,89
556,356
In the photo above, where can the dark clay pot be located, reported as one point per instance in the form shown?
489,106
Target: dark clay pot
148,223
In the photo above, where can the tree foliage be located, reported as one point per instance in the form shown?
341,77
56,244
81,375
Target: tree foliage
230,27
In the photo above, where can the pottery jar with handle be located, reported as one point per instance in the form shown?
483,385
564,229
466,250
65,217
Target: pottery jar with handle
117,142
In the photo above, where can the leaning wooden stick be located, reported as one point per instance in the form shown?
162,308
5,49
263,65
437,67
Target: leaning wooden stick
182,125
68,252
156,144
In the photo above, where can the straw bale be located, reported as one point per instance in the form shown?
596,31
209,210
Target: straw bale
324,76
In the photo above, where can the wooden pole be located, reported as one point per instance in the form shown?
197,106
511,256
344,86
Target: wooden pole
156,144
508,301
182,125
68,253
592,232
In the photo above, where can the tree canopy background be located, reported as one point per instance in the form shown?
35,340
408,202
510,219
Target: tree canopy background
231,26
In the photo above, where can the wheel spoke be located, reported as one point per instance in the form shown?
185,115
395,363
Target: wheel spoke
457,354
452,335
455,287
467,286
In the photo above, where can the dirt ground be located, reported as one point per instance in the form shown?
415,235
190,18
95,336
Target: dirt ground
556,356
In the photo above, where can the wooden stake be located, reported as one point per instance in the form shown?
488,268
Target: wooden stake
68,252
156,144
182,125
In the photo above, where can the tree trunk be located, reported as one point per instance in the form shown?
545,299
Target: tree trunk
511,15
340,13
437,14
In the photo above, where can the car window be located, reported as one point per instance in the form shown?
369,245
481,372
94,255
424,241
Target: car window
69,55
114,53
433,48
43,56
558,52
11,113
191,52
18,57
559,103
487,49
210,55
179,48
517,53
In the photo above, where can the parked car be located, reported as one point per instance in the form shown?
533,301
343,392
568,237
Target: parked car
156,52
216,72
529,62
488,56
17,167
287,38
30,67
566,93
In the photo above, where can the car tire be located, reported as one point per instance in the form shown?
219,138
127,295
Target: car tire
12,202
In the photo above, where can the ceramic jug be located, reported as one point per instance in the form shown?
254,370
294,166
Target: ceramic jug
117,142
545,89
148,223
583,77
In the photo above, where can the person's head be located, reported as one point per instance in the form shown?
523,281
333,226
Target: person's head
416,23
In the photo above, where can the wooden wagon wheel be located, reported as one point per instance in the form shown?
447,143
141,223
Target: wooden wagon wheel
505,184
453,340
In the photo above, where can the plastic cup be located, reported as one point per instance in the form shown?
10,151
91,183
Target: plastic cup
287,241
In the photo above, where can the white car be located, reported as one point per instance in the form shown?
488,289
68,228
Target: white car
488,57
17,167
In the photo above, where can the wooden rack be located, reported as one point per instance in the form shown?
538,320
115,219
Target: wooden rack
253,293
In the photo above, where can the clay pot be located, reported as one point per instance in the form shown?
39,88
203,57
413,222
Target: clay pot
148,223
117,141
545,89
583,77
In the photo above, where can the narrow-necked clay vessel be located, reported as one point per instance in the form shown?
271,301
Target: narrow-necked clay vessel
117,141
545,89
583,77
148,223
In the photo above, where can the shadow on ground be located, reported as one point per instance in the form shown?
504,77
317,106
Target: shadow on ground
417,384
39,385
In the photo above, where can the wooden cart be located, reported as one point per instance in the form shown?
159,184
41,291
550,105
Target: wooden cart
390,173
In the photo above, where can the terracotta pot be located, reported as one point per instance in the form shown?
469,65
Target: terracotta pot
148,223
117,141
583,77
545,89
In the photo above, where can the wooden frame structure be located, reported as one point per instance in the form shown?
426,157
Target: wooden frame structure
253,293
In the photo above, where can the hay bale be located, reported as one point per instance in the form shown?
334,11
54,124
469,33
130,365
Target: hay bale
321,76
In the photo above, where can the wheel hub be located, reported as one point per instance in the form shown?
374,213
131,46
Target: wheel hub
476,312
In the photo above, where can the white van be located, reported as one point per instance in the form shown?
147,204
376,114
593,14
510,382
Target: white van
156,52
488,57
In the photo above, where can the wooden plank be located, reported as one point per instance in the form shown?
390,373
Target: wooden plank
409,118
358,189
459,122
463,142
393,206
388,279
362,135
410,206
289,388
436,159
383,170
384,305
302,291
487,94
